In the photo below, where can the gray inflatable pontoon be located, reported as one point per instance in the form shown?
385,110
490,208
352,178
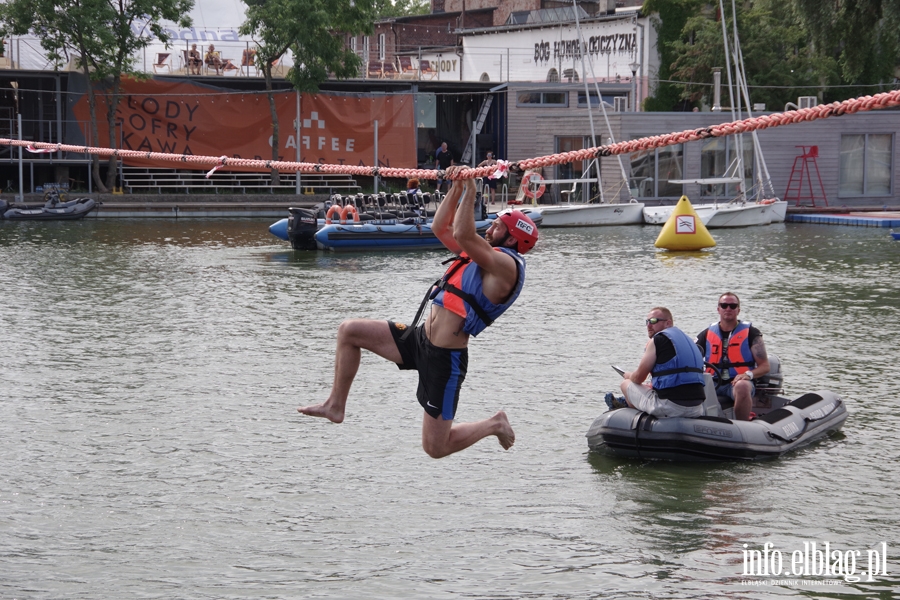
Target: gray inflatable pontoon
782,425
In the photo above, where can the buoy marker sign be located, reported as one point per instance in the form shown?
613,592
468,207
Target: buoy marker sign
684,230
685,224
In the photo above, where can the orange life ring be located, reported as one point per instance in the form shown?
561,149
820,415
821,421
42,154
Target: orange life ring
768,201
526,181
334,211
348,210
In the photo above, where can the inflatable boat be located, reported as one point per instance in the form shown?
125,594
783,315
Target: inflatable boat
306,232
380,223
781,425
52,210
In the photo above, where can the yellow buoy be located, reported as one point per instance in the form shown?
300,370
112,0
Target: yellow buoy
684,230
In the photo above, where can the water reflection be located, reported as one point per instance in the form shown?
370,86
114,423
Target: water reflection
150,429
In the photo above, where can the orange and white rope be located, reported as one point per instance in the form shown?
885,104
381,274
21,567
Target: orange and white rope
823,111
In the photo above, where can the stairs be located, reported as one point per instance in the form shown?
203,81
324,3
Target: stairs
479,123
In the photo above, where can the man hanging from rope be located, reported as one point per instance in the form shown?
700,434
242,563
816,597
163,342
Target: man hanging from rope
482,282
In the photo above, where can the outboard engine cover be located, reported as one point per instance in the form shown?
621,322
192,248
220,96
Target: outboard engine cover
302,228
775,377
772,383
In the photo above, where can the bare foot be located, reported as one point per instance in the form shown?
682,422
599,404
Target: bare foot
324,411
506,435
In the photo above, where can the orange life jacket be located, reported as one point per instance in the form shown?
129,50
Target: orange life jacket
737,358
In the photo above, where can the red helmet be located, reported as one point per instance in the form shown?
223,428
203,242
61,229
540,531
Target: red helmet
520,227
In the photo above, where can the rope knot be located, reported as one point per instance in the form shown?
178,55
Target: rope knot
222,161
35,150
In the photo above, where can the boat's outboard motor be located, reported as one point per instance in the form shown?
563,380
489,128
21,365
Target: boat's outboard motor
302,228
772,383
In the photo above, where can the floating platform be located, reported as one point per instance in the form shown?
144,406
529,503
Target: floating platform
853,219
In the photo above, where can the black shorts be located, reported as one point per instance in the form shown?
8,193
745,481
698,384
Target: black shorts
490,183
441,370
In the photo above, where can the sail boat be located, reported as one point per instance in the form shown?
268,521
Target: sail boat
757,206
569,214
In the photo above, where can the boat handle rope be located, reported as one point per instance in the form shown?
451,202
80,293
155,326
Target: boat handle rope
806,423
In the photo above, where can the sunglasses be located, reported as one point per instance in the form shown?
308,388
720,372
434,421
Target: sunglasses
654,321
731,305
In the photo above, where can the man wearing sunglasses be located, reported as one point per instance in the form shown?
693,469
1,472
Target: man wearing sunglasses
737,351
483,281
676,367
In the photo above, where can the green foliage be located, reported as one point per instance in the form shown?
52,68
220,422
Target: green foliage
776,55
859,37
669,25
790,49
100,34
313,31
401,8
98,31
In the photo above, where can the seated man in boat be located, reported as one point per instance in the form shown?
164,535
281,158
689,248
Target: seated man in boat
737,351
676,367
481,283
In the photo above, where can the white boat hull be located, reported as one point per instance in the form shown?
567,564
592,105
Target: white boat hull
724,215
589,215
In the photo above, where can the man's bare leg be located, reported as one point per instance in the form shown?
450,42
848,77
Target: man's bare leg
742,400
441,438
353,336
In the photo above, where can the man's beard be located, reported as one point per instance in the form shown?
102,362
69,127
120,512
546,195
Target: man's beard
495,242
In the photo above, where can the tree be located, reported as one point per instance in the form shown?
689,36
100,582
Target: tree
672,15
859,37
802,47
776,53
312,30
101,35
401,8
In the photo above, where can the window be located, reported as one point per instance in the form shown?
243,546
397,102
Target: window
381,50
866,164
542,98
718,159
553,76
571,170
608,99
353,44
651,171
575,170
485,77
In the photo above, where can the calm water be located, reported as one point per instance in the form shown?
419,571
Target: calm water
150,445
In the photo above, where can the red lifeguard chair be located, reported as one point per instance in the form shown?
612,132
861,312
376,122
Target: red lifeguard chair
799,172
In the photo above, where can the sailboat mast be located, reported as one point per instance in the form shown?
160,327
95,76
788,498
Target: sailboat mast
602,108
763,178
587,97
